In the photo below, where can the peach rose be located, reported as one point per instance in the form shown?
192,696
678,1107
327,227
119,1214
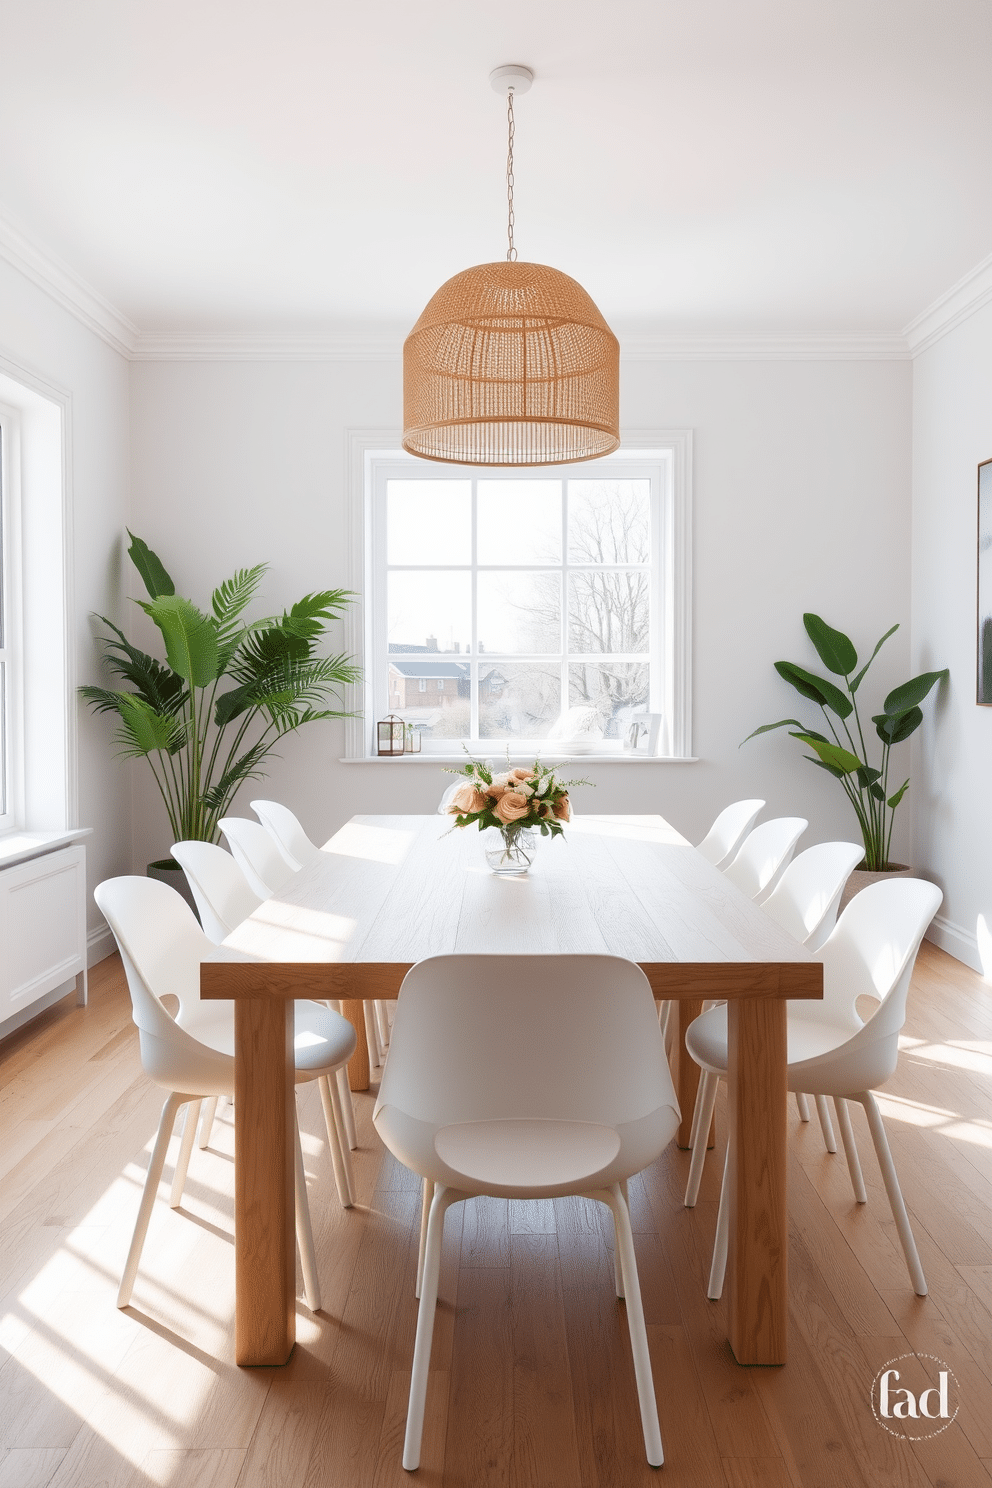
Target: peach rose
467,798
511,806
519,774
562,809
495,792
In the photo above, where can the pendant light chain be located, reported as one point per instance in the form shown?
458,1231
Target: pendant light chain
511,252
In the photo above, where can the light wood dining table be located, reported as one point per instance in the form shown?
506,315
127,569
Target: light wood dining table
388,891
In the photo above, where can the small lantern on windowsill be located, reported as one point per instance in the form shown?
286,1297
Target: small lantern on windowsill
412,741
390,734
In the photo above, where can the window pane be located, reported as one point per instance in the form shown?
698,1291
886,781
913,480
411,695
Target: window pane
519,521
432,694
518,700
609,611
431,611
613,688
609,521
520,612
428,521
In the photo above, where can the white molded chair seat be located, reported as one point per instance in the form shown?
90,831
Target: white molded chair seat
192,1055
764,855
257,855
728,831
526,1076
286,832
832,1051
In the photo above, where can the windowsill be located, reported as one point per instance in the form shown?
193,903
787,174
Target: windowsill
570,759
19,846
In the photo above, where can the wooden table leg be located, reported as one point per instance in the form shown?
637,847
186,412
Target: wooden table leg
757,1270
358,1064
264,1181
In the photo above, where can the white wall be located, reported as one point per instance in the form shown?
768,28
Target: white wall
42,340
952,821
801,495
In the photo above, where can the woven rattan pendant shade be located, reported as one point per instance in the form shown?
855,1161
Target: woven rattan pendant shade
511,364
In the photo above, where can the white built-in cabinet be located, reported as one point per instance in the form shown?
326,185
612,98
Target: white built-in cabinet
42,928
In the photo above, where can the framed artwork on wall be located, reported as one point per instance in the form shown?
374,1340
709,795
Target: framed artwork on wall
984,693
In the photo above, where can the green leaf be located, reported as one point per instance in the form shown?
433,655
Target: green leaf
833,647
911,694
831,769
867,776
893,730
190,638
157,684
817,689
150,567
312,614
860,677
877,791
143,731
243,768
894,800
766,728
832,754
232,597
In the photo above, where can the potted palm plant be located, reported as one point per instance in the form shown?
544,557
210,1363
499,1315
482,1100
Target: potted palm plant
208,717
843,752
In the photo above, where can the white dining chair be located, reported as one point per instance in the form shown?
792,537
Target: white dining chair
224,898
728,831
191,1055
286,832
257,855
764,854
521,1077
832,1050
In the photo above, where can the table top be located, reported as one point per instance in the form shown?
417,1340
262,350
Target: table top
387,891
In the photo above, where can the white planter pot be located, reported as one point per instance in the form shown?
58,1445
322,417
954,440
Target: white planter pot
861,878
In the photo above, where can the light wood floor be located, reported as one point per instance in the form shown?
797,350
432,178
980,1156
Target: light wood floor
532,1382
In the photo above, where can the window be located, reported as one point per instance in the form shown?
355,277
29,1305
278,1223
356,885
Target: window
531,606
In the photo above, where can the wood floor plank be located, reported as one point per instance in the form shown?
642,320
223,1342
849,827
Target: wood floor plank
30,1467
545,1452
194,1467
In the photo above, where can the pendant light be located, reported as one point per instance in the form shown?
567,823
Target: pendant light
511,363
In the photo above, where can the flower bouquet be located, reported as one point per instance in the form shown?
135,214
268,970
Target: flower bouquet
517,804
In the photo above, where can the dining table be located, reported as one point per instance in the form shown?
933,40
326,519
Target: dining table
388,891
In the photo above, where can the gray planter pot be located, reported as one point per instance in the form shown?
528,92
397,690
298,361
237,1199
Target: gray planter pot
861,878
168,871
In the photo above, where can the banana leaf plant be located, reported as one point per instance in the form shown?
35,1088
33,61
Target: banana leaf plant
844,754
229,690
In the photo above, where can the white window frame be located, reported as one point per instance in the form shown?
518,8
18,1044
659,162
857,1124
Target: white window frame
11,653
376,457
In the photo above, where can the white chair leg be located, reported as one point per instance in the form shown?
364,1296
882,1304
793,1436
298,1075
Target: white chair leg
638,1332
334,1122
347,1107
894,1192
443,1197
850,1150
304,1231
703,1115
185,1152
718,1266
382,1024
425,1213
826,1125
207,1120
372,1035
802,1106
156,1163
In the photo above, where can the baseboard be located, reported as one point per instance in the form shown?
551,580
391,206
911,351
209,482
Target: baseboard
100,944
956,941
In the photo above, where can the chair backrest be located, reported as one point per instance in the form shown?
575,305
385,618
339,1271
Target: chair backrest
442,805
759,864
553,1037
161,946
286,832
872,952
805,899
729,830
255,853
223,895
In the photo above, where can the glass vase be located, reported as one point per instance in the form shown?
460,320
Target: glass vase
510,849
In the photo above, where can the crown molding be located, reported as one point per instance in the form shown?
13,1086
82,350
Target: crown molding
385,345
641,346
951,308
67,288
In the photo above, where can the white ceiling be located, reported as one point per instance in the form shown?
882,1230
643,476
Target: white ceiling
779,167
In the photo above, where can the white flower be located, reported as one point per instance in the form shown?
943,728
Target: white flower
502,780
